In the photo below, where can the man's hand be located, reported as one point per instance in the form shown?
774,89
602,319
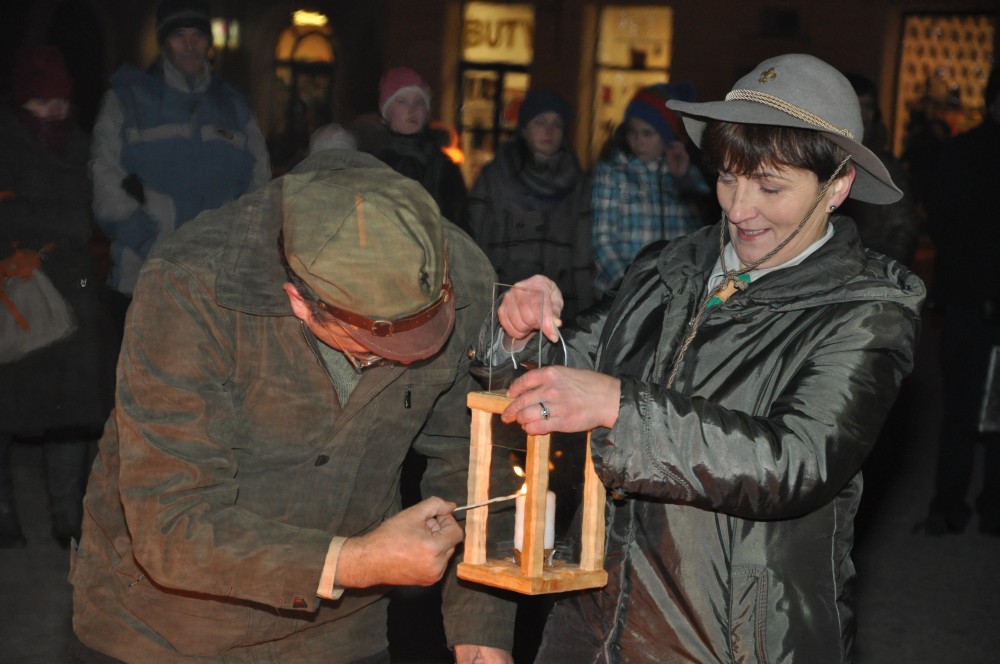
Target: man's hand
521,312
411,548
468,654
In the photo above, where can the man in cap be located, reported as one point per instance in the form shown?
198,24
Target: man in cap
284,353
156,163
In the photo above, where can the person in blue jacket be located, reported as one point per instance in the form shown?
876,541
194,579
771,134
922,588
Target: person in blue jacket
169,143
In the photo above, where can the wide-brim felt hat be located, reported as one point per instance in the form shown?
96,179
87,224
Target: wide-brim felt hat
799,90
370,244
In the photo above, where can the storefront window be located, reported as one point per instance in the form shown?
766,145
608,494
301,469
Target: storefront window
497,48
633,51
225,34
944,64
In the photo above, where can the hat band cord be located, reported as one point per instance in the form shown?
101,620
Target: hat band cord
731,275
785,107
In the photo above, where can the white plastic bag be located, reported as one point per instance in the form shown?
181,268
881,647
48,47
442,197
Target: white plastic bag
35,315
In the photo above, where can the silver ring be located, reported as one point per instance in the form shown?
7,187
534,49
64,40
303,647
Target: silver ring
545,411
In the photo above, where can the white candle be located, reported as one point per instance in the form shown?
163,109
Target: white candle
550,521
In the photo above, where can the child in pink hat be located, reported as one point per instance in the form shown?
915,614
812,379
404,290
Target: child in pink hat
404,101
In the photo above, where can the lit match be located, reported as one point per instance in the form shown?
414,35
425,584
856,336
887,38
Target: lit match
486,502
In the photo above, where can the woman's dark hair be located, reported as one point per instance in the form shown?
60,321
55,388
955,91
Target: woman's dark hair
747,149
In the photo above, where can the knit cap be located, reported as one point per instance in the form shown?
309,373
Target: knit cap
40,73
541,101
650,105
175,14
331,137
398,80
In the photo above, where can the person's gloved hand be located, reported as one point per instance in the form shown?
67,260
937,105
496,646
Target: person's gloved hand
132,184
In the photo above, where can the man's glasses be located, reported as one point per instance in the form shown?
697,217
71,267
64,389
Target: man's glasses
360,363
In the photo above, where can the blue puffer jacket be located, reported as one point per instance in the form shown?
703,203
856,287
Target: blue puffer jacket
190,148
188,145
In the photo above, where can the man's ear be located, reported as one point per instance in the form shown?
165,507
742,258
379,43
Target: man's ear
300,308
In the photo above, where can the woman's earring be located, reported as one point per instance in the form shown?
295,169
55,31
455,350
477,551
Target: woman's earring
832,208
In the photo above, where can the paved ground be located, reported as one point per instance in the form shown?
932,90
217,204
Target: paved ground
921,600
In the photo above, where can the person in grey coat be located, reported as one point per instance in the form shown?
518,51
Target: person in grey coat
529,210
735,383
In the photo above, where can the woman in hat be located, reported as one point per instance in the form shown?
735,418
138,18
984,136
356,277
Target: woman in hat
529,210
647,189
735,383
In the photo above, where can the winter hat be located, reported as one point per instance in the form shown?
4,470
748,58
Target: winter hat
650,105
398,80
370,244
175,14
331,137
40,73
800,91
539,101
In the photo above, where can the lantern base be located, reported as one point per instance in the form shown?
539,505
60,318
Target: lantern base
548,555
558,577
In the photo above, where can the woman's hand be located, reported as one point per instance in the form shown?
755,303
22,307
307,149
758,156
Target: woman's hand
678,159
522,306
575,400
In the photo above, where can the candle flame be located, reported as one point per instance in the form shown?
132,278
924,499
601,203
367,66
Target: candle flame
520,473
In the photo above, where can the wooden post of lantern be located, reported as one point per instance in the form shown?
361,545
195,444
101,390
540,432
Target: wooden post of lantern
532,576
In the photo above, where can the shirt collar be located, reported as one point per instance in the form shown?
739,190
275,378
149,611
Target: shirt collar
733,259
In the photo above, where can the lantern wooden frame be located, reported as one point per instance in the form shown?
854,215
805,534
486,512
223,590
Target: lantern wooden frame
532,576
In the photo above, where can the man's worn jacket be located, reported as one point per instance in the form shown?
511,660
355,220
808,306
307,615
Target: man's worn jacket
230,464
738,486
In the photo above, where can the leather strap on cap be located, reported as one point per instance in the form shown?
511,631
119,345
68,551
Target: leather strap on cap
380,327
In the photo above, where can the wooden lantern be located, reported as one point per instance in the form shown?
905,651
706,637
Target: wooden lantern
532,576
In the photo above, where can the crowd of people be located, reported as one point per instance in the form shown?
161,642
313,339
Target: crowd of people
229,409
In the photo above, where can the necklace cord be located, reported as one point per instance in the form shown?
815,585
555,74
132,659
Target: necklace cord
731,275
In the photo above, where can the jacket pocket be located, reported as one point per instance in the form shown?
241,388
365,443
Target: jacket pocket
193,624
748,614
236,139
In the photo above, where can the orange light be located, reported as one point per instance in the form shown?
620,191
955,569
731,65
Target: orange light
452,149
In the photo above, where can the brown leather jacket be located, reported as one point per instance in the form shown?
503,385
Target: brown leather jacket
229,464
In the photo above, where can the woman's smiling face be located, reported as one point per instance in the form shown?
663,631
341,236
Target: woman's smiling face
766,207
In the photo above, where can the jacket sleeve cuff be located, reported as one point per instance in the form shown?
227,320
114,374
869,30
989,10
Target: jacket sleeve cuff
613,448
488,629
328,580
